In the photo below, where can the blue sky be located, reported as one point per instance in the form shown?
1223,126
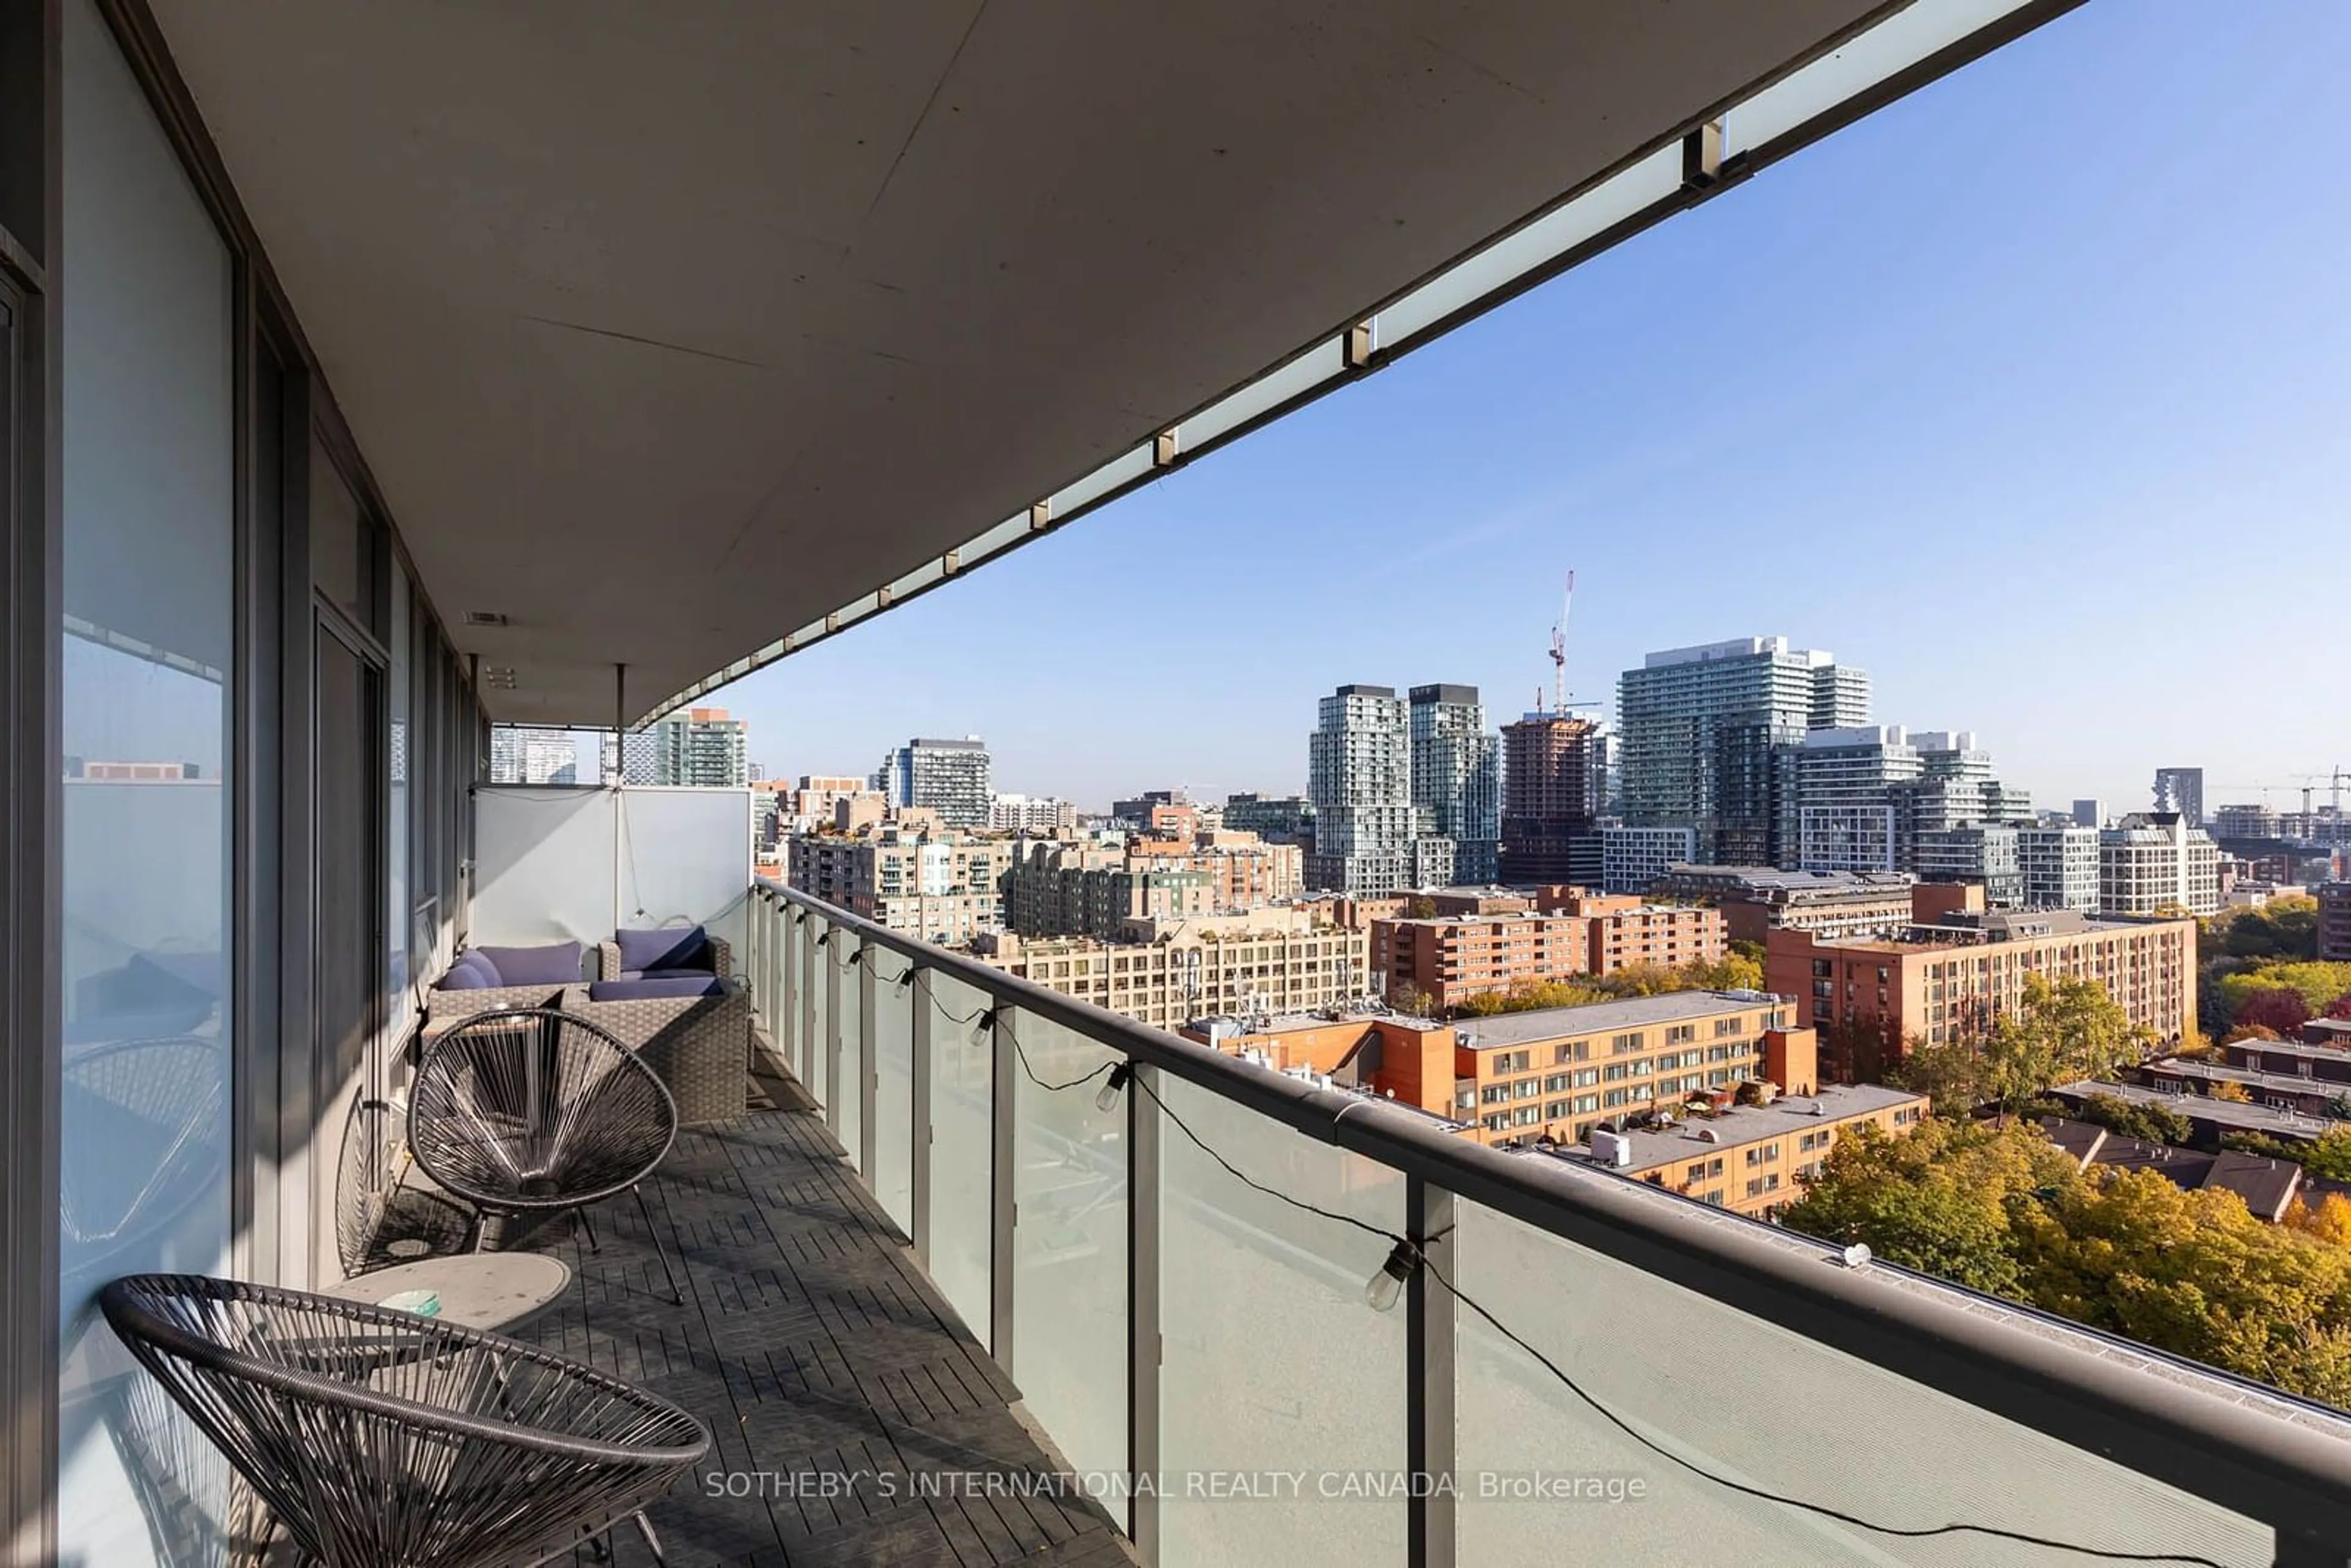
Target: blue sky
2027,394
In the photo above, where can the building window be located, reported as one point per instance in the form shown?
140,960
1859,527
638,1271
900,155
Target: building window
1763,1153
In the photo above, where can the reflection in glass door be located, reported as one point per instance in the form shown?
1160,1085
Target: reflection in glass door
346,1072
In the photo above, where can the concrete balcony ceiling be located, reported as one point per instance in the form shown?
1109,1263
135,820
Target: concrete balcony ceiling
668,330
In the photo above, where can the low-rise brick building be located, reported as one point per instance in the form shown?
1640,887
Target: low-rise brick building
1449,958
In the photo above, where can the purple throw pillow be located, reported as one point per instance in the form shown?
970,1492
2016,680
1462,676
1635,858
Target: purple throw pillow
471,972
557,964
670,948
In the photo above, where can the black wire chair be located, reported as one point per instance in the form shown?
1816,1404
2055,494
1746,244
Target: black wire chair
537,1111
383,1440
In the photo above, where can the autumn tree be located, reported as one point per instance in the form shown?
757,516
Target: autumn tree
2193,1273
2328,1156
2319,985
1732,972
2340,1008
2134,1119
2284,929
1936,1200
2274,1007
2059,1031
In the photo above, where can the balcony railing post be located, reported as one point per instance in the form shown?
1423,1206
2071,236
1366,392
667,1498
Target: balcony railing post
828,955
787,972
1003,1208
804,1059
1428,1376
1142,1210
921,1113
869,1040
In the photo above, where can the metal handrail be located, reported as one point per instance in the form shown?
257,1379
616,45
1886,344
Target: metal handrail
2245,1446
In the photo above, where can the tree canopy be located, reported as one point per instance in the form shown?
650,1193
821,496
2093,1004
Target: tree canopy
1733,972
1998,1208
2318,985
2284,928
2060,1032
2131,1118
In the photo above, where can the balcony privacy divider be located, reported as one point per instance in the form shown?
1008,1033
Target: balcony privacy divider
1167,1251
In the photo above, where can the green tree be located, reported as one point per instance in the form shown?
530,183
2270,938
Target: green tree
1420,906
2059,1031
1998,1209
2328,1156
2319,984
2134,1119
1733,971
1938,1200
2284,928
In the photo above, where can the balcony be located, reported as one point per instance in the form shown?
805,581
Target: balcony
1170,1271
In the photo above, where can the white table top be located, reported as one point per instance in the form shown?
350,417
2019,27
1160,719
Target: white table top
495,1290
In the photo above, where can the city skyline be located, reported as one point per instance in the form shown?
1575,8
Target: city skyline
1999,481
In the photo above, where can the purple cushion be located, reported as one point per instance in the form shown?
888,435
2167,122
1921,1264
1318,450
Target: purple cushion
672,947
649,988
471,972
557,964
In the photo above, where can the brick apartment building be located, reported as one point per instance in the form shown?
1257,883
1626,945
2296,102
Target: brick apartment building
1078,887
1451,957
1561,1072
1616,1060
1952,973
937,884
1754,900
1411,1060
1281,967
2335,922
1753,1159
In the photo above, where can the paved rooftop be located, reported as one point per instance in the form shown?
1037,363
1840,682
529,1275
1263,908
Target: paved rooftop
812,1344
2223,1113
1744,1124
1634,1012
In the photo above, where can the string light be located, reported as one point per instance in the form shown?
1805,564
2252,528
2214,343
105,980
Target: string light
1107,1100
1386,1286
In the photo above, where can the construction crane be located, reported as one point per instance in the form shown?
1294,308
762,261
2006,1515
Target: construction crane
2307,783
1560,705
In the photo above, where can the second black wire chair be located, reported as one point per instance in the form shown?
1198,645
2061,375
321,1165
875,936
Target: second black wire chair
536,1110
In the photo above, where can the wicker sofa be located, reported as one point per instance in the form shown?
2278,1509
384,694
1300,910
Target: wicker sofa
486,979
671,950
694,1035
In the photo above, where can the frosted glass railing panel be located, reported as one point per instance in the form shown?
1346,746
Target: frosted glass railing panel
849,1070
815,1046
962,1231
1755,1402
892,1175
1271,1359
1068,1247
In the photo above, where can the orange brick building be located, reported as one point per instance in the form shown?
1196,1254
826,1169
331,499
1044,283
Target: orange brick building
1754,1159
1952,977
1561,1072
1448,958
